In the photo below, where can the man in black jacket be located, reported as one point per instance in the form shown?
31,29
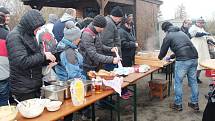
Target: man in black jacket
25,57
185,65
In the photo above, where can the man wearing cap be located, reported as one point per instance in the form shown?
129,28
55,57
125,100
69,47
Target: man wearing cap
185,65
7,17
92,48
4,63
199,40
110,35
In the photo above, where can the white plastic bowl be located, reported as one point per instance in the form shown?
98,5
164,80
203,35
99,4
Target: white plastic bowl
8,113
30,108
53,105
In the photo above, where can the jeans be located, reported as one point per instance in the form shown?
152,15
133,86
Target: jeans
4,92
186,68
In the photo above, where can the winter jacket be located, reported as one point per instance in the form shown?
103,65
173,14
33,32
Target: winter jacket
110,36
71,62
179,43
4,63
25,57
59,26
199,40
92,49
128,46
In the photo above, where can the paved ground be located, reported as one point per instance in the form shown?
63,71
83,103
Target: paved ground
156,110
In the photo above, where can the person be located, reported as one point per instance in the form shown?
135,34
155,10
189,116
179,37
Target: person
25,57
186,26
199,40
110,35
52,19
4,63
185,65
83,24
71,61
128,48
7,17
92,48
69,15
131,21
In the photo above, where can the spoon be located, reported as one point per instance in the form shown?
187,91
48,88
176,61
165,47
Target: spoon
14,97
9,105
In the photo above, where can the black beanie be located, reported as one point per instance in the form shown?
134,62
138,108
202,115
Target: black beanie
99,21
4,10
117,12
165,26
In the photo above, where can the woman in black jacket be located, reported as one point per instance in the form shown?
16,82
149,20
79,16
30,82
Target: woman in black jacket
25,57
128,48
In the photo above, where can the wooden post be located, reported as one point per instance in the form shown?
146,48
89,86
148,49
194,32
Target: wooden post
102,5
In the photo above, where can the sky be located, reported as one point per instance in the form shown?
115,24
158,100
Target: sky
194,8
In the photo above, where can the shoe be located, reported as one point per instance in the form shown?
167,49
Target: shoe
193,106
199,81
176,107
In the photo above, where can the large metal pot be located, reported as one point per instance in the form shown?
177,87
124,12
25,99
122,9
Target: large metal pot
54,92
66,85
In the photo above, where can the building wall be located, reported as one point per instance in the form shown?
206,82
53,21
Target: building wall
146,24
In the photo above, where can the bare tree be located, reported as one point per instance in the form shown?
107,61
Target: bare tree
181,12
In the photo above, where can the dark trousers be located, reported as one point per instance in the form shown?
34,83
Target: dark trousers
209,113
26,96
4,92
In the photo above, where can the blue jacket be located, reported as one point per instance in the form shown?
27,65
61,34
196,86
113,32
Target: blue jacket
71,62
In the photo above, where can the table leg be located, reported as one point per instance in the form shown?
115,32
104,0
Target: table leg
93,112
118,107
135,101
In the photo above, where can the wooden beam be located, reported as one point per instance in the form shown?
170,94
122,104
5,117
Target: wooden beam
128,2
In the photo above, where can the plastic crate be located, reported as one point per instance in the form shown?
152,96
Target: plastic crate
210,73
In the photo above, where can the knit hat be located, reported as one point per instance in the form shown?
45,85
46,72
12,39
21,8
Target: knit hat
71,32
165,26
31,20
4,10
117,12
99,21
52,18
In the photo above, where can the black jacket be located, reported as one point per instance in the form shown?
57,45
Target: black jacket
128,45
92,49
179,43
25,57
186,31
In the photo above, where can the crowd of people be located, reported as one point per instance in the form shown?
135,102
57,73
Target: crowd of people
70,49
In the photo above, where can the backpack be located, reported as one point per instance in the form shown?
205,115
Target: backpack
46,40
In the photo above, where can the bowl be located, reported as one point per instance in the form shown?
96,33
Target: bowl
30,108
8,113
53,105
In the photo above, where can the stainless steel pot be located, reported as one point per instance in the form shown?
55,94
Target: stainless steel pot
66,85
54,92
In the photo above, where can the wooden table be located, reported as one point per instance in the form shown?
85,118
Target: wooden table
68,108
209,64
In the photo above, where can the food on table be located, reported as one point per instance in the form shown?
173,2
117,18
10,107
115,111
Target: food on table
77,92
8,113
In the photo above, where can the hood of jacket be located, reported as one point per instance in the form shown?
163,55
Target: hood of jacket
64,43
173,29
66,17
31,20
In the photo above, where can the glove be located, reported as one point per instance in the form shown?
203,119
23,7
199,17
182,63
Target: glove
198,34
